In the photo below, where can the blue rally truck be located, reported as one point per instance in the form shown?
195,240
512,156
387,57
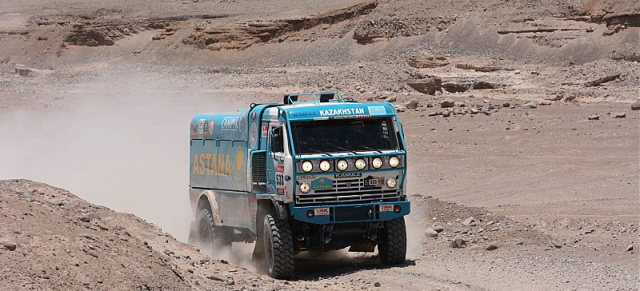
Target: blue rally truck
316,175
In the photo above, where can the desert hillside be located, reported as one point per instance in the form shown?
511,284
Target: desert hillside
522,121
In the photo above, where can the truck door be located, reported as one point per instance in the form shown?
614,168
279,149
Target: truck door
275,161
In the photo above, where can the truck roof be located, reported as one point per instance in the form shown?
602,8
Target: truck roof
328,110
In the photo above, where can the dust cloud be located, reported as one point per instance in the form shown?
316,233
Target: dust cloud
415,231
128,151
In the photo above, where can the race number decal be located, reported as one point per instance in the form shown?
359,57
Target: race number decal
321,211
386,207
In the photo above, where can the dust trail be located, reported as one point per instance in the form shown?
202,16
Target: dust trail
415,220
127,151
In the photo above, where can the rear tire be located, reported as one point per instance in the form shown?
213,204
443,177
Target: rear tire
393,247
209,236
278,247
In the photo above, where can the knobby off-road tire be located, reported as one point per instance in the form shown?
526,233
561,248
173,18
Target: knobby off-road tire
210,237
278,247
393,247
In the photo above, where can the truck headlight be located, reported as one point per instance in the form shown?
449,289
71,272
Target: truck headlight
360,164
307,166
391,183
304,188
376,163
394,162
342,165
325,165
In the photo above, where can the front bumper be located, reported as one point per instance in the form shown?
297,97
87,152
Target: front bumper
349,213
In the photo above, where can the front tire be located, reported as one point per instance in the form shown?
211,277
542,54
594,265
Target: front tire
393,247
278,247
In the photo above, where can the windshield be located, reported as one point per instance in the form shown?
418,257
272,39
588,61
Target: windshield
339,135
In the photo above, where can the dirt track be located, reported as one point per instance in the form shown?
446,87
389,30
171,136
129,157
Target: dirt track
97,100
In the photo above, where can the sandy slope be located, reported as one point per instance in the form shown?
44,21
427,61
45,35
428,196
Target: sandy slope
96,98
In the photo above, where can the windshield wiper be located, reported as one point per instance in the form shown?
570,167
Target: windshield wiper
368,148
344,149
318,151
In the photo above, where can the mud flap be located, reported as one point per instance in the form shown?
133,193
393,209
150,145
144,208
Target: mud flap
366,247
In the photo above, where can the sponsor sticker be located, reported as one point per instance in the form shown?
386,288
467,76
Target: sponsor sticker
254,115
205,129
321,211
280,169
306,177
212,125
377,110
347,175
194,129
201,123
386,207
265,130
253,135
322,183
229,123
342,111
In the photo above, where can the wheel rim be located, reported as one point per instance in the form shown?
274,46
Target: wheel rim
206,235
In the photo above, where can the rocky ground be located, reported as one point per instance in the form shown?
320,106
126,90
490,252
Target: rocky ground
521,121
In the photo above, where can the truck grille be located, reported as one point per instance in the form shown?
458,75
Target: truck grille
347,191
259,172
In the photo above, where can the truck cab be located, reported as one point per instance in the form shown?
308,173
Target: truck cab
317,174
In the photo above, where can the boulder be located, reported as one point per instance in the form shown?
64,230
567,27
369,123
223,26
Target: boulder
413,104
446,103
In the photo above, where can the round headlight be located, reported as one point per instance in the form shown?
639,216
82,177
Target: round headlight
307,166
342,165
325,166
391,183
376,163
304,188
394,162
361,164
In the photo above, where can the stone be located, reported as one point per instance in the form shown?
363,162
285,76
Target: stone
458,243
635,106
425,62
490,107
446,113
430,233
530,105
621,115
377,284
460,104
413,104
231,282
545,103
400,108
491,246
433,114
392,99
446,103
506,105
438,228
9,246
428,85
630,248
474,110
594,117
469,221
556,245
